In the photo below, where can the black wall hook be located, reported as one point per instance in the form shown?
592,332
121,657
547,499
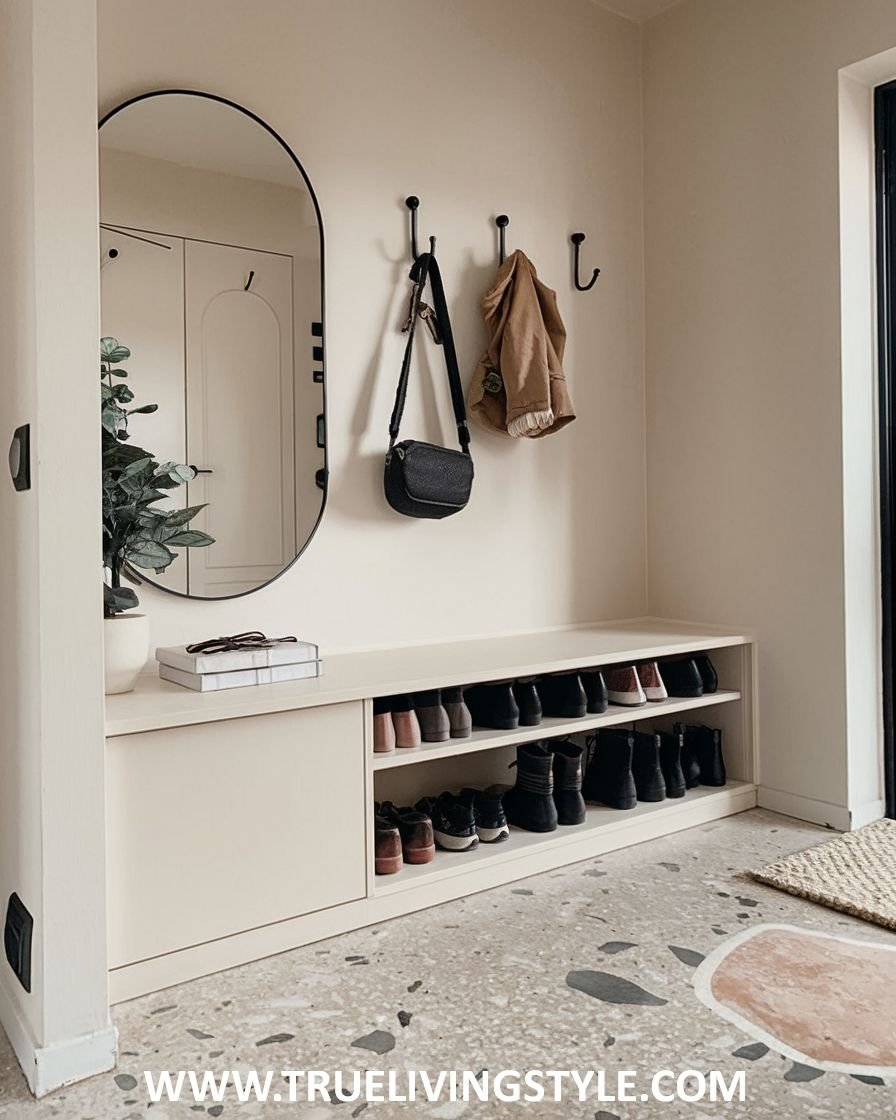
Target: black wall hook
413,204
502,222
577,239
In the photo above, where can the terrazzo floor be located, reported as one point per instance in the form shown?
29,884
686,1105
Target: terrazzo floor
510,979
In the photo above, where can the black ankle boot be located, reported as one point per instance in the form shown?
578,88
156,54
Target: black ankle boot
648,774
493,705
562,695
708,674
670,760
595,691
682,678
528,701
568,783
609,778
690,763
530,804
708,748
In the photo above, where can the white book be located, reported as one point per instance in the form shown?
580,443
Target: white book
214,682
281,653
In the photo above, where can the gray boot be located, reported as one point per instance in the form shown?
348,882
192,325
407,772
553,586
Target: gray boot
435,726
459,716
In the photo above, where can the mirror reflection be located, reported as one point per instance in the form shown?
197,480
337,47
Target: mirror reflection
211,271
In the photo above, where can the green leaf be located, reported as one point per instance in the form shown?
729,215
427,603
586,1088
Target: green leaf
118,599
190,538
150,554
136,466
147,408
112,351
179,517
170,475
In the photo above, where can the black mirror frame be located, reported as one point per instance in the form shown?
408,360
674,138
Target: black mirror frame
323,477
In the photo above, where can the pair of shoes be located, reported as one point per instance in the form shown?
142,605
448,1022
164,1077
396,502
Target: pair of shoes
574,694
701,754
401,835
548,789
626,767
691,676
395,724
426,717
633,685
460,821
504,705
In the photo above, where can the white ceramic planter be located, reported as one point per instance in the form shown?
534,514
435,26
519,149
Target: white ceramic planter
126,648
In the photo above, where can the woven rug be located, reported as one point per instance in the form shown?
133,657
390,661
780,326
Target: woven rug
855,873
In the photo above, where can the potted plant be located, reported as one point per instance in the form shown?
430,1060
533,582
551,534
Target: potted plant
135,532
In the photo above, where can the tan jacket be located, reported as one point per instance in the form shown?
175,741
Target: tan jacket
519,388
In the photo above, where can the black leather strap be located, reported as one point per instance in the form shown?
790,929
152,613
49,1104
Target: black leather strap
427,267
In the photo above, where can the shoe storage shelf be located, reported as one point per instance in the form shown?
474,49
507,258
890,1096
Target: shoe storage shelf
240,823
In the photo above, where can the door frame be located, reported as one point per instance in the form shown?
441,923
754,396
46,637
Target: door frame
885,189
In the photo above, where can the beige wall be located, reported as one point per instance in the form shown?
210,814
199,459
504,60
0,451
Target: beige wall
51,729
746,449
509,105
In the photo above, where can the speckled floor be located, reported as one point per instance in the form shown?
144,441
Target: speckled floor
512,979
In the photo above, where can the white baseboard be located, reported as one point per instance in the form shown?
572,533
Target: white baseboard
867,813
50,1067
806,809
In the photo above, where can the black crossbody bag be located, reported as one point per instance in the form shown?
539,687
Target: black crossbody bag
424,479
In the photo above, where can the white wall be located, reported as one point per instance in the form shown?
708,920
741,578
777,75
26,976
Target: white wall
51,730
479,108
745,421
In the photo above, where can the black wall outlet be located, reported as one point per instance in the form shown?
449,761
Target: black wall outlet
17,940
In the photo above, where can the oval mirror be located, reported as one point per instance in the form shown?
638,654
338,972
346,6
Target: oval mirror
212,276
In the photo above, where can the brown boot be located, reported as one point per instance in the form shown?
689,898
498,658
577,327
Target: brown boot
383,728
404,719
387,847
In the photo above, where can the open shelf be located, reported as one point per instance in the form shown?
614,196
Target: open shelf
484,739
604,829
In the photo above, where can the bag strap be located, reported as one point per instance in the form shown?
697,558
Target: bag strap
424,267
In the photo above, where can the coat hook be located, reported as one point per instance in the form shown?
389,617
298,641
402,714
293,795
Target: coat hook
502,222
249,281
413,202
577,239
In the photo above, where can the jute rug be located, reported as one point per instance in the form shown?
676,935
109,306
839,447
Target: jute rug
855,873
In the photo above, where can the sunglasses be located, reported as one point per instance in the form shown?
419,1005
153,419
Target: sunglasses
252,639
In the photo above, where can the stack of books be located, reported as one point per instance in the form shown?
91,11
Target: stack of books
209,672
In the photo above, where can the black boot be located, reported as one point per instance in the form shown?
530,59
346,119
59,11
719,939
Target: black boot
562,695
568,783
528,701
530,804
609,778
648,774
708,748
708,674
682,678
595,691
690,763
670,760
493,705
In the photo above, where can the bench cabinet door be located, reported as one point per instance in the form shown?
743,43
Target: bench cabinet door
222,827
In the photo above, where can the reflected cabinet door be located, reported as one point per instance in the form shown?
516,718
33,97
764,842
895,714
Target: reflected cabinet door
240,413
